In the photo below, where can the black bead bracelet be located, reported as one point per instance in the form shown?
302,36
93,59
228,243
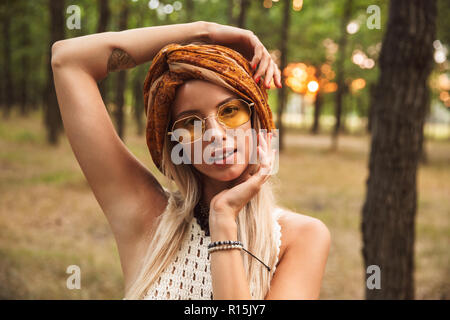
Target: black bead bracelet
234,243
226,242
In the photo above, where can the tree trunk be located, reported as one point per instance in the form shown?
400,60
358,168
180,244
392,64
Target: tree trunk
243,13
25,70
282,92
317,104
399,106
53,121
104,15
138,101
137,93
317,109
9,97
347,104
121,80
340,72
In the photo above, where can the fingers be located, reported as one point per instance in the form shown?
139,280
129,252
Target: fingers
269,74
277,76
262,144
247,43
266,154
249,184
264,63
273,72
259,49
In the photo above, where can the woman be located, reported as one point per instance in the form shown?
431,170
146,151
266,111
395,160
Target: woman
163,236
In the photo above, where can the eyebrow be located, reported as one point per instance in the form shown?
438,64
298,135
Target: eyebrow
196,110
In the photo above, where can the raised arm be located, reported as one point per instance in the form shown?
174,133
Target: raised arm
100,53
127,192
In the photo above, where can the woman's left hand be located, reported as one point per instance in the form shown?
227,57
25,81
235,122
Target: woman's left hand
229,202
247,43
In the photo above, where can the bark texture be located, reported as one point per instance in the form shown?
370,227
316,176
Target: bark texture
399,108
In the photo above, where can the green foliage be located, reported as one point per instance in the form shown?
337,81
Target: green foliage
443,22
318,20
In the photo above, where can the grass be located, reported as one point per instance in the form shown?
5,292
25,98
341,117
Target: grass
50,219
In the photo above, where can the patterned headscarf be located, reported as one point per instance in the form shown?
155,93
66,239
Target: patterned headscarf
175,63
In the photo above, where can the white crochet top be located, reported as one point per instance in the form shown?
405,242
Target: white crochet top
188,277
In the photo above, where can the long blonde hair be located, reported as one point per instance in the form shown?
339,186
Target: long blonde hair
255,225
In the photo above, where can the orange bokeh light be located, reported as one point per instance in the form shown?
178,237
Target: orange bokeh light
301,78
358,84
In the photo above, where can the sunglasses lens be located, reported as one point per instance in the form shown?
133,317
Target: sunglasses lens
234,113
187,125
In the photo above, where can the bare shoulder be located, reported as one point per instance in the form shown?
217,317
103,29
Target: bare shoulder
305,243
298,230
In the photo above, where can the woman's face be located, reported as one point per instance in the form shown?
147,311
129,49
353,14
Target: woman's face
202,98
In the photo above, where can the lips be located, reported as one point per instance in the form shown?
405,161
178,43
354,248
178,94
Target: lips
224,152
224,157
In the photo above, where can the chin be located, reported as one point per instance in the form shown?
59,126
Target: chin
222,174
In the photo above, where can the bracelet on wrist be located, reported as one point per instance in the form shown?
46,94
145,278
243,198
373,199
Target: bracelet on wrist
225,247
225,242
228,245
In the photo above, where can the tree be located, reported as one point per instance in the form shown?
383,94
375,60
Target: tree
121,79
282,92
245,4
399,108
230,17
317,104
104,15
7,48
340,72
313,32
138,73
53,121
25,70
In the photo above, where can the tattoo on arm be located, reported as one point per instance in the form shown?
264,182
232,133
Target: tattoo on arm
120,60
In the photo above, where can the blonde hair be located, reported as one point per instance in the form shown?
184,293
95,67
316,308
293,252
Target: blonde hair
255,225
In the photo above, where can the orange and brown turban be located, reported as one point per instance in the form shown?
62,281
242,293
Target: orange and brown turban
175,63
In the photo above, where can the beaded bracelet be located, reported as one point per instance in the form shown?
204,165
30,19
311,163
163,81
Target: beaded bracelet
225,247
228,244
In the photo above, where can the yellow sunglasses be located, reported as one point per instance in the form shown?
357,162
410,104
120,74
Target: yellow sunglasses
231,115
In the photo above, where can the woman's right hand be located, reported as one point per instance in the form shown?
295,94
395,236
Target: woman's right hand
248,44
